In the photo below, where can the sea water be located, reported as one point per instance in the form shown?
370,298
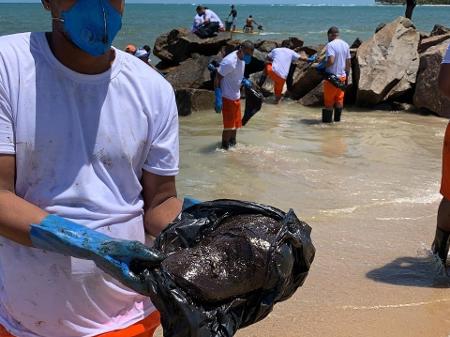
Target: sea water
143,23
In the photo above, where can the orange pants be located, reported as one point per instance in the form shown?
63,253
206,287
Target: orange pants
445,183
144,328
277,80
332,95
231,113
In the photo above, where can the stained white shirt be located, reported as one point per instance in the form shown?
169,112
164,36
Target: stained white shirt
213,17
81,144
232,69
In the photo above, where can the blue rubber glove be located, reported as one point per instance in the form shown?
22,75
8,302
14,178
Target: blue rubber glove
312,58
189,202
322,66
218,100
247,83
115,257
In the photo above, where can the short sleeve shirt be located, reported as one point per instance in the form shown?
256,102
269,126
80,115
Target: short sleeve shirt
340,50
81,144
282,59
232,69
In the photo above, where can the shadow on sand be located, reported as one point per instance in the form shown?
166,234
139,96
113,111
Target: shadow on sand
311,121
411,272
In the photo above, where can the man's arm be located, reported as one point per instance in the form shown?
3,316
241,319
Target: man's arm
348,65
330,61
161,203
16,214
217,79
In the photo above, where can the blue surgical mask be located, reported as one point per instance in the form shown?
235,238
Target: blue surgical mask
92,25
247,58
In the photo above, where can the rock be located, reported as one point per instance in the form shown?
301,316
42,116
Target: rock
179,44
314,98
293,43
387,64
440,30
432,41
310,50
192,73
267,46
380,27
356,44
305,79
427,95
189,100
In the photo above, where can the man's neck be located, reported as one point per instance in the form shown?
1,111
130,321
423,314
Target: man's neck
75,59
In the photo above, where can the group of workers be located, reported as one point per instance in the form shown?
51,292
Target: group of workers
89,151
230,79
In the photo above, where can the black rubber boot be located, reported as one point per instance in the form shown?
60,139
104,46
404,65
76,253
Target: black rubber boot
262,80
225,145
337,114
233,142
441,244
327,116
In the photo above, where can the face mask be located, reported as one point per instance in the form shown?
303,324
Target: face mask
92,25
247,58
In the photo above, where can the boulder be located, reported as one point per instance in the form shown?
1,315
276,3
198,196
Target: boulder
427,95
305,79
266,46
386,65
432,41
293,43
314,98
189,100
310,50
356,44
192,73
380,27
440,30
179,44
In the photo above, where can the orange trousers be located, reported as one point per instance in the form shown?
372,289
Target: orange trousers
445,183
144,328
278,82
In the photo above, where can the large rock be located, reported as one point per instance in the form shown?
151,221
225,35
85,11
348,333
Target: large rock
189,100
427,95
314,98
432,41
387,64
179,44
267,46
293,43
192,73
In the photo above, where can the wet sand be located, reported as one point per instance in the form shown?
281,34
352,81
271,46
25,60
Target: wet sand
369,189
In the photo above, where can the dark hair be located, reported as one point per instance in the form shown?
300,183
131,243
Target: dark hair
333,31
286,44
250,16
247,45
200,8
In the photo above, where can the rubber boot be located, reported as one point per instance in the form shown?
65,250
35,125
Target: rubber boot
262,80
337,114
225,145
233,142
327,116
441,244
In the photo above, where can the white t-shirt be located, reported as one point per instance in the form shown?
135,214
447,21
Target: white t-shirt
81,144
198,21
213,17
341,52
446,59
282,59
232,69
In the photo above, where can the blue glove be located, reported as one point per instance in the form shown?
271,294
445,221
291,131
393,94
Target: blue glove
218,100
115,257
312,58
322,66
189,202
247,83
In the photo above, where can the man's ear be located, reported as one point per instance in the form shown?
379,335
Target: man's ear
46,4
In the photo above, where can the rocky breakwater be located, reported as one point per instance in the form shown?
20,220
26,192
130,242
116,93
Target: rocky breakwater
396,69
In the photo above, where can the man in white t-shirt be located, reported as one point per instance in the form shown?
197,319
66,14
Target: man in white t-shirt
88,145
211,22
442,239
227,83
338,64
277,68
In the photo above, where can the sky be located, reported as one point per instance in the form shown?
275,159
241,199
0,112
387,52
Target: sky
328,2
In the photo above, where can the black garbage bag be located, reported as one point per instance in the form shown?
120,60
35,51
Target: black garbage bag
253,103
229,262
